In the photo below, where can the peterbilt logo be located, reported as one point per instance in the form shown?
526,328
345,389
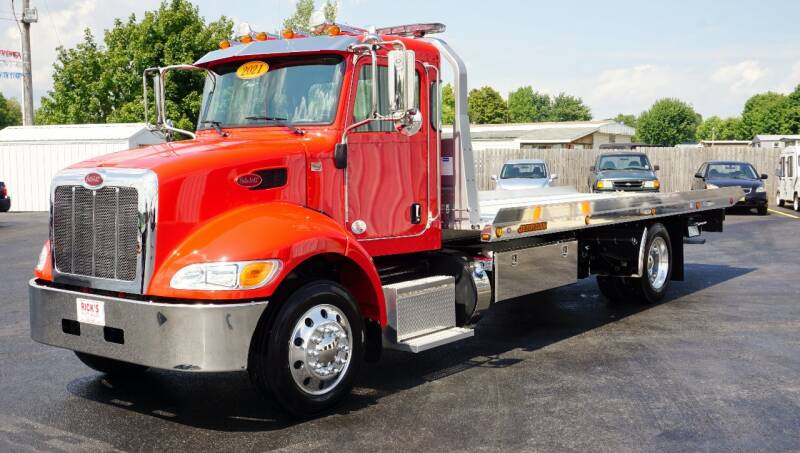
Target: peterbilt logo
249,180
93,179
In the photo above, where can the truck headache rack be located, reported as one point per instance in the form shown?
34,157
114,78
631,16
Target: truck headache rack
508,216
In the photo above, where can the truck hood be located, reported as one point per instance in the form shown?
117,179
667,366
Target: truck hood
733,182
522,183
197,178
643,175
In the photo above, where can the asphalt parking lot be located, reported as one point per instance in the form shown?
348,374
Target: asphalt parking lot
715,367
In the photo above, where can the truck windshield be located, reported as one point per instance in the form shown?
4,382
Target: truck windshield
528,170
624,162
273,92
732,170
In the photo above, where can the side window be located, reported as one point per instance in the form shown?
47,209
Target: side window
790,167
363,101
434,99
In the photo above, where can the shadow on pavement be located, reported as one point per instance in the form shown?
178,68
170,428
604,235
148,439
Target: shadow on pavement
227,402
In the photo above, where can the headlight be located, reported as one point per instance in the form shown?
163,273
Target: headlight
605,184
712,186
226,276
761,189
654,184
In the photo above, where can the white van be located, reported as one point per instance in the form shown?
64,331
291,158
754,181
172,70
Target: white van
788,177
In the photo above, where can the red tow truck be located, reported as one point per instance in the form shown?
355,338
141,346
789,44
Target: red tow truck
316,216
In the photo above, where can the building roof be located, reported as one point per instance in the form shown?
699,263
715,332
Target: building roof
546,132
775,138
724,142
72,133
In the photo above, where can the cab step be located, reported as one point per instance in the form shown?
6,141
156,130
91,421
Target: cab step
432,340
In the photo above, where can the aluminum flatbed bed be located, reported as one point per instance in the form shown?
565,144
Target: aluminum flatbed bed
507,215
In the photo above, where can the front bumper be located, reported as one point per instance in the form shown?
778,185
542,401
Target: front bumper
627,189
752,200
183,337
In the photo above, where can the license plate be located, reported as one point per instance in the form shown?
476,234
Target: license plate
91,311
694,231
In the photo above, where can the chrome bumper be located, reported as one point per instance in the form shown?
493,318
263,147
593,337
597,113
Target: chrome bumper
168,336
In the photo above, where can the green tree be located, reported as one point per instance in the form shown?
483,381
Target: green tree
10,112
668,122
569,108
628,120
448,104
300,20
97,84
527,106
486,106
769,113
716,128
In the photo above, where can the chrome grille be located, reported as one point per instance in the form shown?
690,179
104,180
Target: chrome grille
627,184
96,232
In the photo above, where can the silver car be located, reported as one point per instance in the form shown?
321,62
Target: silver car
524,174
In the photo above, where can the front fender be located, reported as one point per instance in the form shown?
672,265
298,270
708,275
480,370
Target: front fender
283,231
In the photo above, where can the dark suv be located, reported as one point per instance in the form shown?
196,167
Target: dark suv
5,200
624,172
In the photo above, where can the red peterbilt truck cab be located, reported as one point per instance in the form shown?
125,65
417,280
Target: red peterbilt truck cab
315,217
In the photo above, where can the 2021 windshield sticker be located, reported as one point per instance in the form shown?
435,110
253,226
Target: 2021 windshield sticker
252,70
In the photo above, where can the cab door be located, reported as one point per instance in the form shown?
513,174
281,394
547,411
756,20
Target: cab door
387,171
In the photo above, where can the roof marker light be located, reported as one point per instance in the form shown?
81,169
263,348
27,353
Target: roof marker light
288,33
333,30
246,39
224,44
262,36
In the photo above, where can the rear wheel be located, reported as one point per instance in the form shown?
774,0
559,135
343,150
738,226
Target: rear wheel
110,366
779,200
762,210
796,203
307,358
656,267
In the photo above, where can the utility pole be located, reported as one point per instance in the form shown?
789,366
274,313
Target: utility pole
29,16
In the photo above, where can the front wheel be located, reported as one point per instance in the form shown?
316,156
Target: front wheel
307,358
796,203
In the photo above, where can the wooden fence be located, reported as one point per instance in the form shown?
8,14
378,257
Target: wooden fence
677,165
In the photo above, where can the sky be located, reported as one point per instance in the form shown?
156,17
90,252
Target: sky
619,56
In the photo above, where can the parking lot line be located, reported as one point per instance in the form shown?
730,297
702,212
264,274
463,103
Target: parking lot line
783,214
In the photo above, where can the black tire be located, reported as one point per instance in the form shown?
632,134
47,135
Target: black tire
110,366
781,202
762,210
269,364
796,203
643,288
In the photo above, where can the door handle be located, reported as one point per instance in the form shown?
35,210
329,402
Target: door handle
416,213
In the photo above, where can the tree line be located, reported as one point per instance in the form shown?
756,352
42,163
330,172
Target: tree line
99,82
524,105
672,121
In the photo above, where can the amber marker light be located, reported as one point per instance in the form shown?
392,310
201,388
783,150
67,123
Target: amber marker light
224,44
288,33
261,36
246,39
334,30
256,274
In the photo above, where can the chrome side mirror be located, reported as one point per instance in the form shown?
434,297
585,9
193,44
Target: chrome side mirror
410,123
401,81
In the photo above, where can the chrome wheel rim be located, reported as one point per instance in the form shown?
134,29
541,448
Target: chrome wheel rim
320,349
658,263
